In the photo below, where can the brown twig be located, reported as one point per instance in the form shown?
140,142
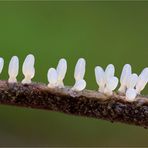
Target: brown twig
85,103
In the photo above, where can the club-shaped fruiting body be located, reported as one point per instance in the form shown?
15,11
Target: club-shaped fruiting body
132,81
79,85
56,76
132,84
106,80
61,72
111,85
131,94
109,72
126,72
1,64
28,69
52,78
79,73
80,69
130,87
100,78
142,80
13,69
111,81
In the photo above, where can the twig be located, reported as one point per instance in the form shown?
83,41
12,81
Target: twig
85,103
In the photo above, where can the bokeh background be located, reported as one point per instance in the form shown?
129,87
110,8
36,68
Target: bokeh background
102,33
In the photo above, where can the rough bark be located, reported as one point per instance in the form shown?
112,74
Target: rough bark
85,103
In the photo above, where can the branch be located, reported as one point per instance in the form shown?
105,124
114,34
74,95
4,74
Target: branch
85,103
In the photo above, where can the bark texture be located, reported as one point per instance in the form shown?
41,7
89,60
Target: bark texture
85,103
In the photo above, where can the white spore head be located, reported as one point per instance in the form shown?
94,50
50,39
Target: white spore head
1,64
132,80
144,73
131,94
126,72
79,85
109,71
80,69
13,69
52,77
61,70
28,68
100,78
112,83
99,75
142,80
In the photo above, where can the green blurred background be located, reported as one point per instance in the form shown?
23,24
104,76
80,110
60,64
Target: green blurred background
102,33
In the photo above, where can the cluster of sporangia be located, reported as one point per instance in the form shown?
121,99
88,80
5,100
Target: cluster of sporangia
131,83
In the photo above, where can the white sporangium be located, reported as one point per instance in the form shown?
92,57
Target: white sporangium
13,69
142,80
130,87
1,64
126,72
100,78
28,69
132,84
79,73
111,85
52,77
56,76
131,94
106,80
79,85
61,72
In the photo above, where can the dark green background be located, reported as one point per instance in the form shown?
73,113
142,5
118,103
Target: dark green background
102,33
